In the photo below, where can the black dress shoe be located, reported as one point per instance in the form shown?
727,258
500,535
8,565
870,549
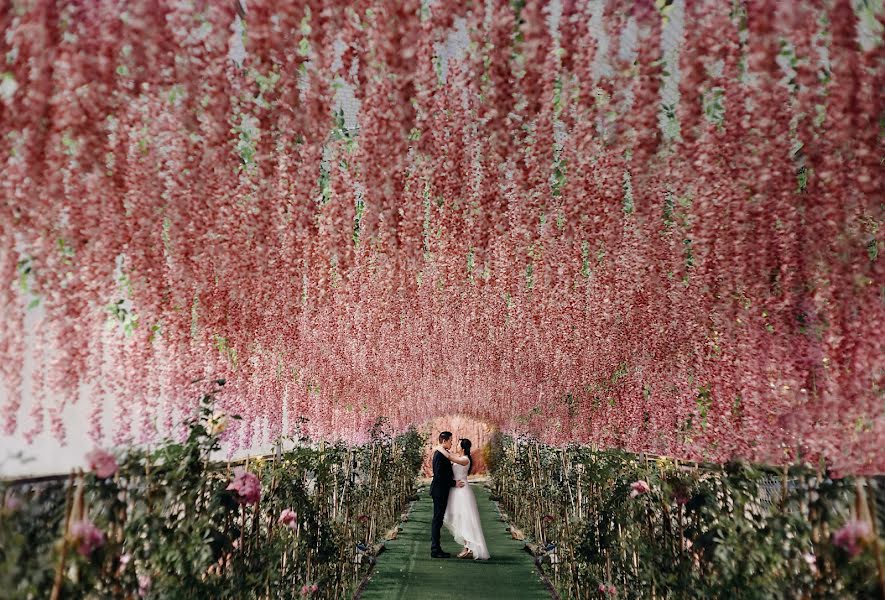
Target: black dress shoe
439,554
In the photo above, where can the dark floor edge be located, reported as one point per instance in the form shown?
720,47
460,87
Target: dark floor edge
547,583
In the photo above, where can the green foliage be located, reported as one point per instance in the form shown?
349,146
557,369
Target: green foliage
729,531
168,518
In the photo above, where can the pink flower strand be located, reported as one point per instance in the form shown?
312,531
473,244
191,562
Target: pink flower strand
456,274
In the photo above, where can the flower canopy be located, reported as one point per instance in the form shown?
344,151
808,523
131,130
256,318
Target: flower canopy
653,225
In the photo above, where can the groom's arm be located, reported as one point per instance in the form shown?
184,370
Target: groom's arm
461,460
444,454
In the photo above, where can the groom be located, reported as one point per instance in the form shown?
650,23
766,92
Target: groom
443,482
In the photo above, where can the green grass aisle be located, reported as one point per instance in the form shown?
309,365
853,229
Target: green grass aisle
405,570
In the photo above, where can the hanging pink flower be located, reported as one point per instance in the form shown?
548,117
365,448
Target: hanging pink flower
102,463
246,485
851,536
638,488
289,518
87,536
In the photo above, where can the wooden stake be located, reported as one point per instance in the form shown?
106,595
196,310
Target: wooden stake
60,568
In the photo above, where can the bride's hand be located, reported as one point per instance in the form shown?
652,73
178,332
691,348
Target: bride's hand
461,483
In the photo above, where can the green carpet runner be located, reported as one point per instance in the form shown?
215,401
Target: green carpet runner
405,570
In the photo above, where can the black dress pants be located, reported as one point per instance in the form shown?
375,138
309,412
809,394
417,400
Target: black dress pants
439,512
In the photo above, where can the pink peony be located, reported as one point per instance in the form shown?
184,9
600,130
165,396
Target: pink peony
144,585
102,463
13,503
288,518
852,535
638,488
246,485
811,560
681,497
87,535
305,590
314,588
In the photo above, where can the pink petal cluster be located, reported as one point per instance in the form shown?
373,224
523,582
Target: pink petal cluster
609,590
12,503
852,536
246,485
541,237
102,463
307,590
87,536
144,585
637,488
289,518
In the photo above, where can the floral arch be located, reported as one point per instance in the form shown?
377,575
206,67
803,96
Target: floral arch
593,224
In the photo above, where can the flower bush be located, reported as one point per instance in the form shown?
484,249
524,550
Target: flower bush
173,523
643,527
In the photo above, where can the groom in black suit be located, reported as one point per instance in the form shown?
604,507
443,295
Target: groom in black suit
443,482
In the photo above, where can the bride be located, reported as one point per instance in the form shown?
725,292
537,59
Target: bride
462,515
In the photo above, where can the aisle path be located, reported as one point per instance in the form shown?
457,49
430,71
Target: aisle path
405,570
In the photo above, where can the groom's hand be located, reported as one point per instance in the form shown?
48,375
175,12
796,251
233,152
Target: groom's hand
461,483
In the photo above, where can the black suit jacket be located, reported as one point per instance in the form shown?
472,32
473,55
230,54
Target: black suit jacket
443,478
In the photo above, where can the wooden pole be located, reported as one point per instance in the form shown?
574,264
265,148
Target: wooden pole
60,568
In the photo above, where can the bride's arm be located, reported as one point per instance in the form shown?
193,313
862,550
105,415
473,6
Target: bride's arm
461,460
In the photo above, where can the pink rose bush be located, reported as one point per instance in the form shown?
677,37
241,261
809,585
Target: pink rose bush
246,485
87,536
102,463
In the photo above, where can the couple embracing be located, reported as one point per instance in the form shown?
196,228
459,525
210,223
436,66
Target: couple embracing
453,502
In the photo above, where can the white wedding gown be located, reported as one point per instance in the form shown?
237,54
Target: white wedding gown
462,516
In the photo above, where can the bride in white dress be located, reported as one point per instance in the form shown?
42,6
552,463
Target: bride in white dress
462,515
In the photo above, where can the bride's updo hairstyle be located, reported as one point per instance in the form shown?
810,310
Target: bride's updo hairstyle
465,446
